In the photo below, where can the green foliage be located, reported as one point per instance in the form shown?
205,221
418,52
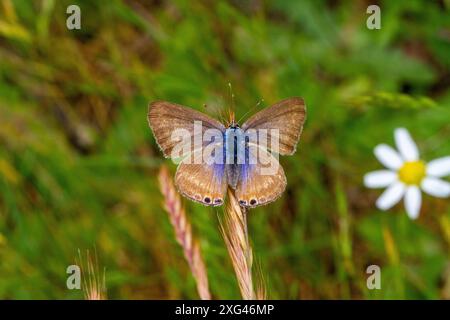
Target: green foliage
78,164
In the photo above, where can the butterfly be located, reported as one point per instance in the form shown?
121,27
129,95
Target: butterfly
207,183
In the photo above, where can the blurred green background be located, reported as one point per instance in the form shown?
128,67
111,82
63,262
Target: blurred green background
78,163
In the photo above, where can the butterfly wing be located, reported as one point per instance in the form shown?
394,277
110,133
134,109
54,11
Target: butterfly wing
261,181
201,182
288,116
165,117
204,183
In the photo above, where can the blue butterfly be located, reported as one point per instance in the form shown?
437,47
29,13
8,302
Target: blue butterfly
207,182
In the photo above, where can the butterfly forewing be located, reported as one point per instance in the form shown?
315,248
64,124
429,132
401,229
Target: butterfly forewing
164,118
287,117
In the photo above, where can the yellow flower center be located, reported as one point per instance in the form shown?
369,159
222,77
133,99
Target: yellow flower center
412,172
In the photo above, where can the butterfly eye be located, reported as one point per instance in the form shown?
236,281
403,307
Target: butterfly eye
242,202
253,202
207,199
218,201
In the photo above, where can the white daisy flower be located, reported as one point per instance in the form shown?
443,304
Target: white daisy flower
406,175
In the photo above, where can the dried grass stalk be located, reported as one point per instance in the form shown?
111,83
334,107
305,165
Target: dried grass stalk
94,287
183,233
234,231
261,292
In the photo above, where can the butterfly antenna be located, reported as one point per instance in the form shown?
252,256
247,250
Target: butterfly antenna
233,107
254,107
222,116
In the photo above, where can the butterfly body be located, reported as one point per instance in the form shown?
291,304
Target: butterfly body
233,152
242,160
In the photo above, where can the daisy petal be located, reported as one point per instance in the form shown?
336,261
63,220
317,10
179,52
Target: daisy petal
413,201
439,167
379,178
406,145
436,187
388,156
391,196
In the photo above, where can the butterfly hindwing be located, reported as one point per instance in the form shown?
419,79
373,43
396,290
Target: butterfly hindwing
166,117
262,181
287,116
204,183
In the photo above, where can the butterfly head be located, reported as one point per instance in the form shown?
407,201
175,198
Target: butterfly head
231,123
